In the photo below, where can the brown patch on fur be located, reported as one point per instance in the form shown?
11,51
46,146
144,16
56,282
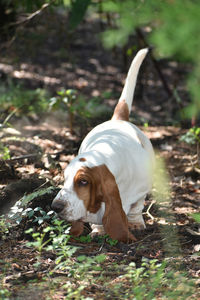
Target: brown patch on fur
82,159
102,187
89,193
121,111
114,220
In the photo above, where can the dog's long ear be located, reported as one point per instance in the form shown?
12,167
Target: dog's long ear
115,221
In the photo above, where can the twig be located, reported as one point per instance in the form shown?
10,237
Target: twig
23,157
150,206
21,22
192,232
155,63
146,238
39,154
33,15
8,117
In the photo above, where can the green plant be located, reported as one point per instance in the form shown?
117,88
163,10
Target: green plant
196,217
154,279
110,241
87,264
22,101
4,152
75,105
39,239
4,227
171,30
66,99
20,209
4,293
40,216
55,235
84,238
192,136
5,267
150,269
77,12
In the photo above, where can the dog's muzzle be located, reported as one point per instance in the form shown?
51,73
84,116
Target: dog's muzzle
58,205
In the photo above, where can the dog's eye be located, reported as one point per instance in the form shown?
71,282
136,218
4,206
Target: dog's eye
82,182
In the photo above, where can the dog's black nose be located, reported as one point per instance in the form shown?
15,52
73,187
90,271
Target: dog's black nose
57,206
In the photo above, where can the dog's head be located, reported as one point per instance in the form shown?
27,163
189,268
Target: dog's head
80,194
84,192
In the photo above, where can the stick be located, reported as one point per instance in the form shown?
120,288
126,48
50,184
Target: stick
31,16
39,154
150,206
155,63
22,157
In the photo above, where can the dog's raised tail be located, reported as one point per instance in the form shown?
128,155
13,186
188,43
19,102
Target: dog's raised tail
129,87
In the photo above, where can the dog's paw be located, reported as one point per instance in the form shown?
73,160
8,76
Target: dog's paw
97,230
137,226
136,222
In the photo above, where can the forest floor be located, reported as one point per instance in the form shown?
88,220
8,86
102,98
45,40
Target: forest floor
41,146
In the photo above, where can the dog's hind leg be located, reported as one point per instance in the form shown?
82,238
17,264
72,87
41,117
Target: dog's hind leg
135,218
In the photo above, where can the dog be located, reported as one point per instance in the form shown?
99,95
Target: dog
106,184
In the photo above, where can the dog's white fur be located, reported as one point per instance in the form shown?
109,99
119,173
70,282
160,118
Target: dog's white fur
127,153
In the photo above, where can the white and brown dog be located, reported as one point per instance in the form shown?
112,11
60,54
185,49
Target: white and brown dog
106,184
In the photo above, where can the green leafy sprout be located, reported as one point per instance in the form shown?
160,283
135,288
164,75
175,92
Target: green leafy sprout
76,105
192,136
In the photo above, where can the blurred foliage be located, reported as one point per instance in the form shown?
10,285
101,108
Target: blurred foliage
192,136
10,9
76,104
23,101
196,217
173,27
26,5
4,152
77,12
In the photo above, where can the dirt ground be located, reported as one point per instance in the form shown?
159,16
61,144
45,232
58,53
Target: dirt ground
41,146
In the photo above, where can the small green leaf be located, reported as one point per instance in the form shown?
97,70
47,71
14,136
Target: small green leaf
196,217
30,230
30,214
81,258
100,258
38,208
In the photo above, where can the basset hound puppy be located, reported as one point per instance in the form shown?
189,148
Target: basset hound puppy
106,184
